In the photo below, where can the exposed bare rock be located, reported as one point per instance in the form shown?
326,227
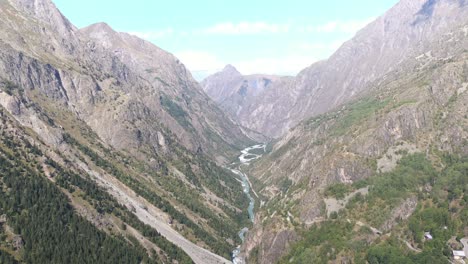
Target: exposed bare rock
234,91
166,89
114,81
122,106
268,245
17,242
401,213
220,86
3,218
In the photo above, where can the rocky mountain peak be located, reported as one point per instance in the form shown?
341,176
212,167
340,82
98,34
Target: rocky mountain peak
43,29
102,33
230,69
45,11
101,27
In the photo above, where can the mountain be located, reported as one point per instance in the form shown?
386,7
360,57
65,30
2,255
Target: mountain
222,85
182,106
111,152
403,32
234,91
118,131
362,181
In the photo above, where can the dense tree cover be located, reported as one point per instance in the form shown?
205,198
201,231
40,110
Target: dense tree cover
387,190
52,233
104,203
19,158
6,258
391,252
322,243
219,247
441,210
412,172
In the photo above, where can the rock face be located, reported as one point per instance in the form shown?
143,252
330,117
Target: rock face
403,32
406,75
220,86
234,91
112,78
18,242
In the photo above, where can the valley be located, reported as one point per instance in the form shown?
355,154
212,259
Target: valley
247,188
111,151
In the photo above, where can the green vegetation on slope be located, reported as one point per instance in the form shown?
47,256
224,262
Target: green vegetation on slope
104,203
40,213
177,112
441,210
357,112
184,194
6,258
181,197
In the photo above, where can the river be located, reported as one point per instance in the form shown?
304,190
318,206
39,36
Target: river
244,159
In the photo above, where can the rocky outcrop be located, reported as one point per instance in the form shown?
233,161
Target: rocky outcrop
401,213
264,246
17,242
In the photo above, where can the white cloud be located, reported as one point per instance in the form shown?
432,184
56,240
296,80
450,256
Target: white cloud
152,35
260,27
246,28
200,61
202,64
350,26
287,65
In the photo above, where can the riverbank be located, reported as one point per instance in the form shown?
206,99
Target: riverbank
244,159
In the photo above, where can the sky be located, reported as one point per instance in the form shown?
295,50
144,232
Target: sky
256,36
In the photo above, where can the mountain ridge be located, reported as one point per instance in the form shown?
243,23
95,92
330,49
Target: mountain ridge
375,50
234,91
132,120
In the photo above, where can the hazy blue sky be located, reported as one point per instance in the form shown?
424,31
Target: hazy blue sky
256,36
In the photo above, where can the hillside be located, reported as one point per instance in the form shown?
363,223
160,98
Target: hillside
407,30
125,119
110,152
418,108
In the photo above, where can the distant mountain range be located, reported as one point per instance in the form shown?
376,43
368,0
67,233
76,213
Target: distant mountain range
405,31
